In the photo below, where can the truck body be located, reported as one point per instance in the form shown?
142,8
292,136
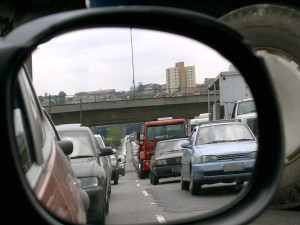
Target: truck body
153,131
232,99
203,117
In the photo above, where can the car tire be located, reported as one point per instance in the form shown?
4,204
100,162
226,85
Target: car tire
116,180
275,30
107,207
151,177
195,188
141,172
99,217
103,215
184,184
155,180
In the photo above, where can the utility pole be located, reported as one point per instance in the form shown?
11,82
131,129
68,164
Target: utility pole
133,80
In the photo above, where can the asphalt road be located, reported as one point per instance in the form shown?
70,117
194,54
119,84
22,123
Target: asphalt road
136,201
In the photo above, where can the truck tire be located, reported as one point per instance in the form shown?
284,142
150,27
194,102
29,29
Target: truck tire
142,174
274,30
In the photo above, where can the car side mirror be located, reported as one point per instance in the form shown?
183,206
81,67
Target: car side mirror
105,151
19,43
66,146
186,144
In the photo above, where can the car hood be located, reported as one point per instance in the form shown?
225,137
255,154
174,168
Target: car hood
227,148
169,155
83,167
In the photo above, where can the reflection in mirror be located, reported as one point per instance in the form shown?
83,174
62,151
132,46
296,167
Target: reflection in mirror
115,81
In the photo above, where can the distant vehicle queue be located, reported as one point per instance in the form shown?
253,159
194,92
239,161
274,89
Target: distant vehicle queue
198,151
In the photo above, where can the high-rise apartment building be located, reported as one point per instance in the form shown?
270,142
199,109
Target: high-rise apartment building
179,78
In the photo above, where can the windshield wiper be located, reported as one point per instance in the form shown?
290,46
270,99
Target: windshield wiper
81,156
218,141
245,139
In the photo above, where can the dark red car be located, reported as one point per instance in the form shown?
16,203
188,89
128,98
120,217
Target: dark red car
43,156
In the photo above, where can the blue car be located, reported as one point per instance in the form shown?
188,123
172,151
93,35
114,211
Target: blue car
218,152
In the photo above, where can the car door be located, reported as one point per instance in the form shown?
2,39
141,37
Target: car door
186,158
44,164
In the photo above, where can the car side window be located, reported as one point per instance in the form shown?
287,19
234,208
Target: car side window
52,127
29,129
193,135
25,155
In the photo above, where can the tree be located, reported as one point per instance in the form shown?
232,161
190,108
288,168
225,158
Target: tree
141,88
61,98
113,138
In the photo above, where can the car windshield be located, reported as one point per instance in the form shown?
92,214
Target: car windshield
82,146
166,131
223,133
246,107
168,147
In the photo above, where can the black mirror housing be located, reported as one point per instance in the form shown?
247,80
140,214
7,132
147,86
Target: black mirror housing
66,146
106,151
19,43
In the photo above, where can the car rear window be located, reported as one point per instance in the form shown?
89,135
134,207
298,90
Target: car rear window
223,133
82,145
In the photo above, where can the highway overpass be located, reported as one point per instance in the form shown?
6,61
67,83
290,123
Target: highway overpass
129,111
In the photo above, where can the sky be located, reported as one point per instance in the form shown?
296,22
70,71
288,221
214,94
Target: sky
103,58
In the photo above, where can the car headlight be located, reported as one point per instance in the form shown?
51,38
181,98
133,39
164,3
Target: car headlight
160,162
88,182
207,158
252,155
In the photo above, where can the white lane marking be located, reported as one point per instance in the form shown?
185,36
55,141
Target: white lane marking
152,203
160,219
138,185
145,193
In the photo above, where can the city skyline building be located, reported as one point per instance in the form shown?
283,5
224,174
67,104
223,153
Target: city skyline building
180,77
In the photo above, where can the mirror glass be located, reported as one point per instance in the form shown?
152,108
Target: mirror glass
115,80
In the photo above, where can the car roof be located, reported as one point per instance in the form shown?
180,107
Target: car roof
73,126
218,122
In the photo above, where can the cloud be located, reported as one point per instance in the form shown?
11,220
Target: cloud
95,59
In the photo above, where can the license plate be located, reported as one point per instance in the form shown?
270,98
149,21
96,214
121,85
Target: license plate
234,167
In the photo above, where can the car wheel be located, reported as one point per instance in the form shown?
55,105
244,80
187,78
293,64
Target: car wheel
184,184
155,179
116,180
107,207
141,172
274,30
151,177
98,217
103,215
194,187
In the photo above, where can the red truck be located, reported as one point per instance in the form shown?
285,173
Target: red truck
153,131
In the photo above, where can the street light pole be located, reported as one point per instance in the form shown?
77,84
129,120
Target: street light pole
132,63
